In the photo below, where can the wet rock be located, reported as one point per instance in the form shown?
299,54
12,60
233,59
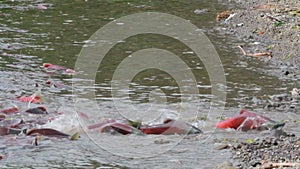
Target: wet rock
200,11
221,147
225,165
295,92
282,102
240,24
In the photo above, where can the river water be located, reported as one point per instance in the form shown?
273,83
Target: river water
30,37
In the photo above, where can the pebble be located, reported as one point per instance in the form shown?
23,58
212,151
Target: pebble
280,27
222,147
225,165
240,24
200,11
282,102
270,149
161,141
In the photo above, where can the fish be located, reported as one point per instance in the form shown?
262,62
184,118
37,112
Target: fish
168,127
55,84
7,130
70,71
245,121
55,67
171,127
12,123
2,117
82,115
119,127
30,99
37,110
47,132
34,98
10,110
41,7
58,67
113,125
98,125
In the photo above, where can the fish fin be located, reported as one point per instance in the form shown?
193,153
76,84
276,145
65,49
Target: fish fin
278,126
198,131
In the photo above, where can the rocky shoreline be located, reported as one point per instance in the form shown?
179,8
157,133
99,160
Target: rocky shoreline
268,30
269,26
265,152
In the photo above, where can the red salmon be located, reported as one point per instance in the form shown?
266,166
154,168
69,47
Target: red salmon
244,120
47,132
98,125
10,110
57,67
170,127
32,99
111,124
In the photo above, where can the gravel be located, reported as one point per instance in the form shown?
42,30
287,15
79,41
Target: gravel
284,149
270,26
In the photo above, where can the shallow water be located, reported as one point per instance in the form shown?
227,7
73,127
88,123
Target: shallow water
30,37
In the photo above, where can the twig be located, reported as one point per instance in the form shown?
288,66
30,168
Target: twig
244,52
269,54
260,54
273,18
264,7
277,165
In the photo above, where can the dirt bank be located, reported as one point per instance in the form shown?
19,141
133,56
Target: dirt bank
269,26
267,30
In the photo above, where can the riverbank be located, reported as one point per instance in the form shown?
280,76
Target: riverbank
268,31
269,26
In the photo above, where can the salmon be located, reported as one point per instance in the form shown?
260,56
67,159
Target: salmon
245,121
7,130
10,110
37,110
57,67
31,99
98,125
12,123
121,128
46,132
117,126
2,117
170,127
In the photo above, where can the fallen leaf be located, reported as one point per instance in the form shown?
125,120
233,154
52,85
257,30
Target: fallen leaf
75,136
